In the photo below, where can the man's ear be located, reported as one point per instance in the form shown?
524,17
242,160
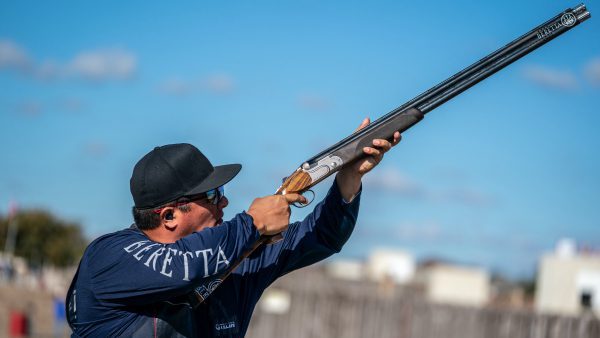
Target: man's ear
167,218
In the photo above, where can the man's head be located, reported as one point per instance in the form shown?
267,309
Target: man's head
176,187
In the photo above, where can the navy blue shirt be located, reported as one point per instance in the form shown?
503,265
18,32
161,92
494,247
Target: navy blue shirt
129,286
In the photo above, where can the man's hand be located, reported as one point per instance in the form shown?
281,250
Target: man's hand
349,178
271,214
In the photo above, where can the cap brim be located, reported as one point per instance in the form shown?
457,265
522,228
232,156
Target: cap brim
221,175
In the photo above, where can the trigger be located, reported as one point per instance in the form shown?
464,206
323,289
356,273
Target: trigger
310,200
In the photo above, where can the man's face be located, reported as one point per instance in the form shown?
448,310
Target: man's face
203,214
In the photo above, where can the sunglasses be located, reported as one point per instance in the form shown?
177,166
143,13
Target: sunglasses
213,197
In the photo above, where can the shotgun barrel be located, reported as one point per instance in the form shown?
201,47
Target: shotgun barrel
349,149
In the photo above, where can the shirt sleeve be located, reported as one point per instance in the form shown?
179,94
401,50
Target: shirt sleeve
322,233
127,267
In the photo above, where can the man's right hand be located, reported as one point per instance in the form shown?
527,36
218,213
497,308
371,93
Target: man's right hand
271,214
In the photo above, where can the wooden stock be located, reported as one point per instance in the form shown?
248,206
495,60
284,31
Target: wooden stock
298,182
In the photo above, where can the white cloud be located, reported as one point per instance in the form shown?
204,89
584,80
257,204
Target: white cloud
71,105
413,231
392,180
176,86
105,64
425,231
448,174
96,65
313,102
29,108
592,71
48,70
34,108
96,149
553,78
465,196
219,84
13,56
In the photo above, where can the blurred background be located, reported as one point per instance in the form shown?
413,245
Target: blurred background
484,222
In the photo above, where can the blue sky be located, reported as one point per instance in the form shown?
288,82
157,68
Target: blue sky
493,178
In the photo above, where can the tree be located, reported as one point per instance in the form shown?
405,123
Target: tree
42,238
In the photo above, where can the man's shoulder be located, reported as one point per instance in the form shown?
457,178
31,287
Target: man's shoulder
115,240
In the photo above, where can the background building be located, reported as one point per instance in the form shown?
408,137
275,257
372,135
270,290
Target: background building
391,264
568,281
453,284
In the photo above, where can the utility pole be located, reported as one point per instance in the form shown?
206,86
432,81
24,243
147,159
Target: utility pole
11,234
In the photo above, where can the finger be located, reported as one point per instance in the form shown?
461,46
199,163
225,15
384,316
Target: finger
385,145
374,152
293,198
397,138
367,165
363,124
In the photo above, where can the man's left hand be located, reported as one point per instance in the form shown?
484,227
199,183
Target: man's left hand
349,178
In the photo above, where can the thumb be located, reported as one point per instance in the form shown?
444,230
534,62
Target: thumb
365,122
293,198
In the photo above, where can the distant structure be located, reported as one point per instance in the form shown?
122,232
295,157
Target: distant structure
436,281
452,284
392,265
347,269
568,281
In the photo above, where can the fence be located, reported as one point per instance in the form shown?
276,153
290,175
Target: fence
326,308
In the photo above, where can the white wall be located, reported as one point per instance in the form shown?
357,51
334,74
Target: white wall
561,281
396,265
456,285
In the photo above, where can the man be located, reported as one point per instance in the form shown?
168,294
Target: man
137,282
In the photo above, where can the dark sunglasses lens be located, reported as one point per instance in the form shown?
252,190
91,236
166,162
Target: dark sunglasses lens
215,195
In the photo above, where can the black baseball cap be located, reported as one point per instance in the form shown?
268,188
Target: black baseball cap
175,170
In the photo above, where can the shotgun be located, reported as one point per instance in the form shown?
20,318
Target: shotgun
349,149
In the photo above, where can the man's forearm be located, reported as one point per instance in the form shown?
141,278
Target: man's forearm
349,183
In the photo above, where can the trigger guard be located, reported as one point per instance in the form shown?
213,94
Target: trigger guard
300,205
